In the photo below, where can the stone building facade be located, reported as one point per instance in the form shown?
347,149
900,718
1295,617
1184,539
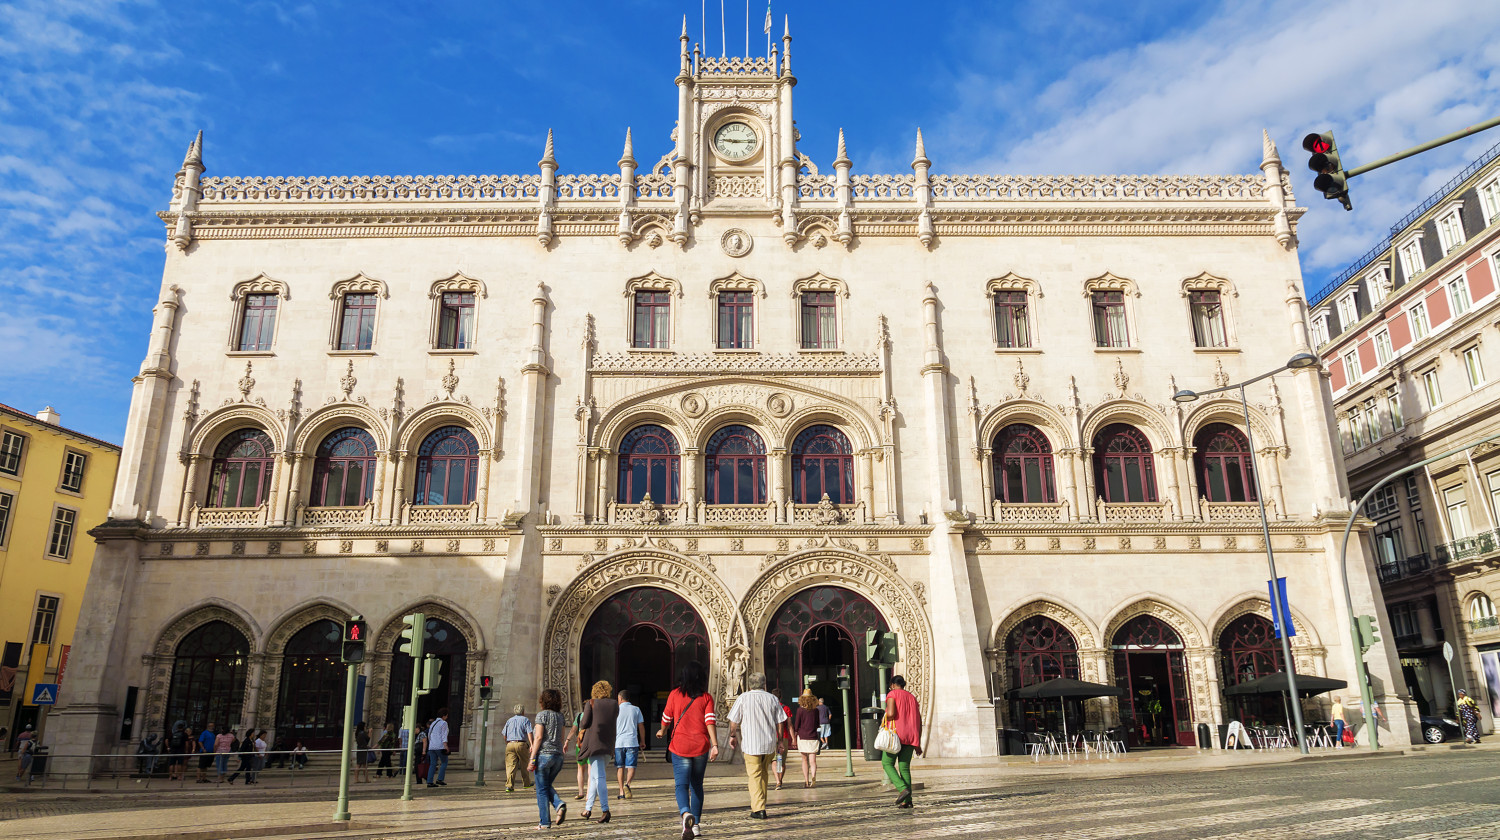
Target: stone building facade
727,405
1404,333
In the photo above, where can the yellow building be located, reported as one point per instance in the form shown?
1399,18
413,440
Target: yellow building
55,485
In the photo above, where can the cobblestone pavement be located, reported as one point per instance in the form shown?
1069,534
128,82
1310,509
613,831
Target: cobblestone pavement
1450,795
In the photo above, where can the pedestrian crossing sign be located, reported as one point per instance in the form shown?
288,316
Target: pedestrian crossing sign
44,694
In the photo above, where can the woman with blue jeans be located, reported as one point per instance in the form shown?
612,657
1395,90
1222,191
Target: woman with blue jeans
547,757
693,742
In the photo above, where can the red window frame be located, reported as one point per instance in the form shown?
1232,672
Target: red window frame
736,467
258,322
1111,329
451,456
1012,324
1023,466
819,321
653,317
357,321
1226,466
456,321
736,320
649,458
344,469
1124,466
822,462
242,467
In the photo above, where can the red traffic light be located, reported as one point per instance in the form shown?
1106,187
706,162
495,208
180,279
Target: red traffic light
354,631
1318,144
486,682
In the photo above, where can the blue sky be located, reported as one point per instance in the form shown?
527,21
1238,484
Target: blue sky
99,99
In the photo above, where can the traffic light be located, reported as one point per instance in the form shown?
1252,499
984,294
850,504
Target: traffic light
410,640
1331,180
355,630
486,687
432,672
881,647
1368,633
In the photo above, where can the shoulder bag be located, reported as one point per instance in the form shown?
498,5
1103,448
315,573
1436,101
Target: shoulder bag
887,741
672,732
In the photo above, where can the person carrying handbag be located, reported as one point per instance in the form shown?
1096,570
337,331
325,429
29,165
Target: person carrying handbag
904,717
692,743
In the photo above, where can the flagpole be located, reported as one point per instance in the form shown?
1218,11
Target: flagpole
723,42
747,28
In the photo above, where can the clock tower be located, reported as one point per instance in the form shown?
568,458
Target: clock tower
736,151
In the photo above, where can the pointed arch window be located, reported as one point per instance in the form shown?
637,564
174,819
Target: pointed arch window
822,462
650,462
1124,470
344,469
241,475
1226,467
447,467
209,668
1023,466
736,460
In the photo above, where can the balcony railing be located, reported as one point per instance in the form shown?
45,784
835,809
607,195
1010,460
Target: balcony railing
1132,511
439,514
1468,548
1398,569
236,517
646,512
827,514
1480,625
333,517
1235,511
1020,513
736,514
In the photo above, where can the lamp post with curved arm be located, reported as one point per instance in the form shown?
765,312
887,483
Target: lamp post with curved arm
1299,361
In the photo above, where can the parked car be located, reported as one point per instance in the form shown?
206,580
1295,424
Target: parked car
1436,730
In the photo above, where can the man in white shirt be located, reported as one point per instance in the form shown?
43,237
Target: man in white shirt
754,723
437,749
630,731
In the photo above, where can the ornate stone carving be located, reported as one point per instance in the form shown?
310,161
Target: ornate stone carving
1195,543
347,381
450,381
709,364
202,549
1159,543
382,546
872,544
601,544
736,186
1231,543
827,513
346,546
779,404
692,544
1017,543
1124,543
1300,542
918,544
166,548
735,241
418,546
553,590
237,548
648,513
554,544
452,546
273,548
246,383
736,544
693,404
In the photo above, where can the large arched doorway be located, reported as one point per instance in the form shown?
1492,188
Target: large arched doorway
1151,666
1248,650
451,647
637,639
811,635
208,677
311,707
1037,650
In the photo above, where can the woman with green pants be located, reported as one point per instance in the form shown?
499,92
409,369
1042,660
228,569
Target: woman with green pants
904,716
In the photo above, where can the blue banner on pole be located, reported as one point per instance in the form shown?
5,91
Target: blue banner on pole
1280,611
359,699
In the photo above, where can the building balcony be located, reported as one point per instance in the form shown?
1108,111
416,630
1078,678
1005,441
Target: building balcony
1467,548
647,512
1132,511
235,517
439,514
1411,566
1484,626
737,514
1026,514
335,517
1234,511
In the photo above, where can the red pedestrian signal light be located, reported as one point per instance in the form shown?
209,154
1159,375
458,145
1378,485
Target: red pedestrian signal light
355,632
1332,182
486,687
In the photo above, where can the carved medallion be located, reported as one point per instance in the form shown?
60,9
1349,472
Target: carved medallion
693,404
779,404
736,242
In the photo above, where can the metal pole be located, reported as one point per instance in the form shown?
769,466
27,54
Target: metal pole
419,634
885,685
341,812
484,737
1286,620
848,741
1432,144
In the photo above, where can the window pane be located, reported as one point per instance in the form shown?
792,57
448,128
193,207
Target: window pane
658,467
333,483
640,480
745,487
659,328
828,338
809,327
1134,486
1033,479
455,494
1234,481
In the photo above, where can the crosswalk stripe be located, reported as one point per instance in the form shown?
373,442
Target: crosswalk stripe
994,828
1361,822
1485,831
1454,782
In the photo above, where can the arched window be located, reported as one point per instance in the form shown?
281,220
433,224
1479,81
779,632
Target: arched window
312,686
447,467
241,474
1226,469
208,677
1123,466
736,467
822,462
1023,466
344,470
1247,651
1037,650
1481,608
649,463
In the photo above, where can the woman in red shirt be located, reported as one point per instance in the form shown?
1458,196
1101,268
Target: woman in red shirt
902,715
693,742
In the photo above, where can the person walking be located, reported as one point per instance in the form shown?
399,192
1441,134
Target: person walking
517,733
437,749
755,724
583,764
547,757
806,727
206,740
693,742
146,753
1337,714
600,714
1468,715
420,753
783,739
630,733
223,746
257,758
361,752
825,723
387,747
246,754
25,745
903,715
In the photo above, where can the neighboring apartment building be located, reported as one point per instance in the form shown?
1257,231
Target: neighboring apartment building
720,406
55,485
1408,333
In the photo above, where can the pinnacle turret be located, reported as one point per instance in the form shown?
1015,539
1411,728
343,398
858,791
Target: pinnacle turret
843,156
1268,149
194,156
547,158
921,156
629,154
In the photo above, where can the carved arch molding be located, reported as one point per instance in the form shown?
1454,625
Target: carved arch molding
270,672
377,699
163,655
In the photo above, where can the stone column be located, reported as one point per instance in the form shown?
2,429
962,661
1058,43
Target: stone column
483,496
987,485
602,464
248,716
294,492
1068,478
380,512
391,506
187,488
690,485
777,464
1089,511
864,464
1174,488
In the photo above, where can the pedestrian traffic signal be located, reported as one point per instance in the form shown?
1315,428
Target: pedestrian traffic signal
486,687
432,672
881,647
1331,180
1369,633
355,630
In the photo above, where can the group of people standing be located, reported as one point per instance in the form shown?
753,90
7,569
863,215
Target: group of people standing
214,750
761,727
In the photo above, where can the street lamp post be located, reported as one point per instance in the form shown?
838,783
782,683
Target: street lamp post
1299,361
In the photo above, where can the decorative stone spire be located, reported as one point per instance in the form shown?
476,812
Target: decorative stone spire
844,235
921,155
194,155
548,192
843,158
786,45
186,192
1268,149
923,194
627,191
629,154
547,157
1278,193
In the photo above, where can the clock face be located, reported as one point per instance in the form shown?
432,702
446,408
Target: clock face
736,141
